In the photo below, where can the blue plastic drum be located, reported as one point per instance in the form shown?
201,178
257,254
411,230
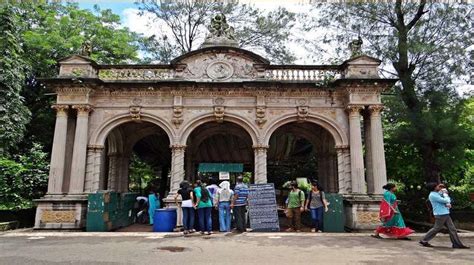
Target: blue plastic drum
164,220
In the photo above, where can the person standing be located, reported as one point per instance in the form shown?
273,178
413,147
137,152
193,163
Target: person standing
317,205
153,204
294,207
222,202
239,204
392,220
203,206
441,204
213,189
187,206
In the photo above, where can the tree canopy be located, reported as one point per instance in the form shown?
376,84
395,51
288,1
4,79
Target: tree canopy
183,28
425,46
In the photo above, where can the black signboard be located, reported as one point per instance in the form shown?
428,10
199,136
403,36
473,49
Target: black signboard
263,212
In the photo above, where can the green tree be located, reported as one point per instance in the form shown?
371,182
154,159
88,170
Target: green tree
23,178
184,28
51,31
424,45
13,114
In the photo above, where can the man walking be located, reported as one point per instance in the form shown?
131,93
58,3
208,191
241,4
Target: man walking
239,204
441,204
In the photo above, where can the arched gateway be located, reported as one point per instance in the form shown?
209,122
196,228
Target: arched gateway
216,96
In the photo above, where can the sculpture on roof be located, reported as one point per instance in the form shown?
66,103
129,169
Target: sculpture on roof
356,47
86,48
220,33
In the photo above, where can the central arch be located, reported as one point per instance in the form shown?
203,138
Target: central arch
340,137
218,144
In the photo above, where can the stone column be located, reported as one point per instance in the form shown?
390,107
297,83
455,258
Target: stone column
58,154
357,157
94,179
343,169
260,169
177,166
377,149
368,154
113,180
78,167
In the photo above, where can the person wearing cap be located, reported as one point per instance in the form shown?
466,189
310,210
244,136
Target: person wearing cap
295,206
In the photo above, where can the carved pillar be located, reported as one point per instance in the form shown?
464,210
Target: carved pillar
357,158
113,172
377,150
368,154
343,169
177,166
93,169
260,152
58,154
78,167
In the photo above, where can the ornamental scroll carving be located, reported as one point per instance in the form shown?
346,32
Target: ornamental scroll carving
135,109
260,114
177,119
302,112
219,110
58,216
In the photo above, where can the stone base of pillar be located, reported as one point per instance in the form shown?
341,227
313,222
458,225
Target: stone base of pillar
61,212
169,202
362,212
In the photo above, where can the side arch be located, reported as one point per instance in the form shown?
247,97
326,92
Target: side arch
99,135
240,121
340,138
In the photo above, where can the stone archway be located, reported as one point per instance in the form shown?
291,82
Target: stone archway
302,150
218,142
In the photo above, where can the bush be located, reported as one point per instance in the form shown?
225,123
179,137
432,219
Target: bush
23,178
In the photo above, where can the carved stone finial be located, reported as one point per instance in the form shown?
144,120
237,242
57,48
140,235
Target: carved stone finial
220,33
356,47
86,48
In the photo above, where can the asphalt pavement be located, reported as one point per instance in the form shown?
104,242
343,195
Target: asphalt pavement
247,248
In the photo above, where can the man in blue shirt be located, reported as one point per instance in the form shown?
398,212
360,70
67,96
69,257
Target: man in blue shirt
441,204
239,204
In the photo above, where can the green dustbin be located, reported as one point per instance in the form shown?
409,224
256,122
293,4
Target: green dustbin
334,217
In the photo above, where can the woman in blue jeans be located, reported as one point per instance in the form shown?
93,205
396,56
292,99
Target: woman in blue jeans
204,207
317,205
187,198
222,203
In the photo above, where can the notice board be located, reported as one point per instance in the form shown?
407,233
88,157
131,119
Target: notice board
263,213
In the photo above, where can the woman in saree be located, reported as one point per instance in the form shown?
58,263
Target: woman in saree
392,221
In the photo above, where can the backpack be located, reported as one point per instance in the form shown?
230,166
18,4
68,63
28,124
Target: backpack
310,196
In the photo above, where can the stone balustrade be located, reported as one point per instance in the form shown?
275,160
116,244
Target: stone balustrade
302,73
273,72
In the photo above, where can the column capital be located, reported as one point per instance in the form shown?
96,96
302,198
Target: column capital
354,108
260,147
95,148
82,109
61,109
178,147
375,109
341,147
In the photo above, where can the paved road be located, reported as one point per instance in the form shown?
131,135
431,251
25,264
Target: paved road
249,248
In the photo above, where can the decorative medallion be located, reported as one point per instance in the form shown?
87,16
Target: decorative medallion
219,70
